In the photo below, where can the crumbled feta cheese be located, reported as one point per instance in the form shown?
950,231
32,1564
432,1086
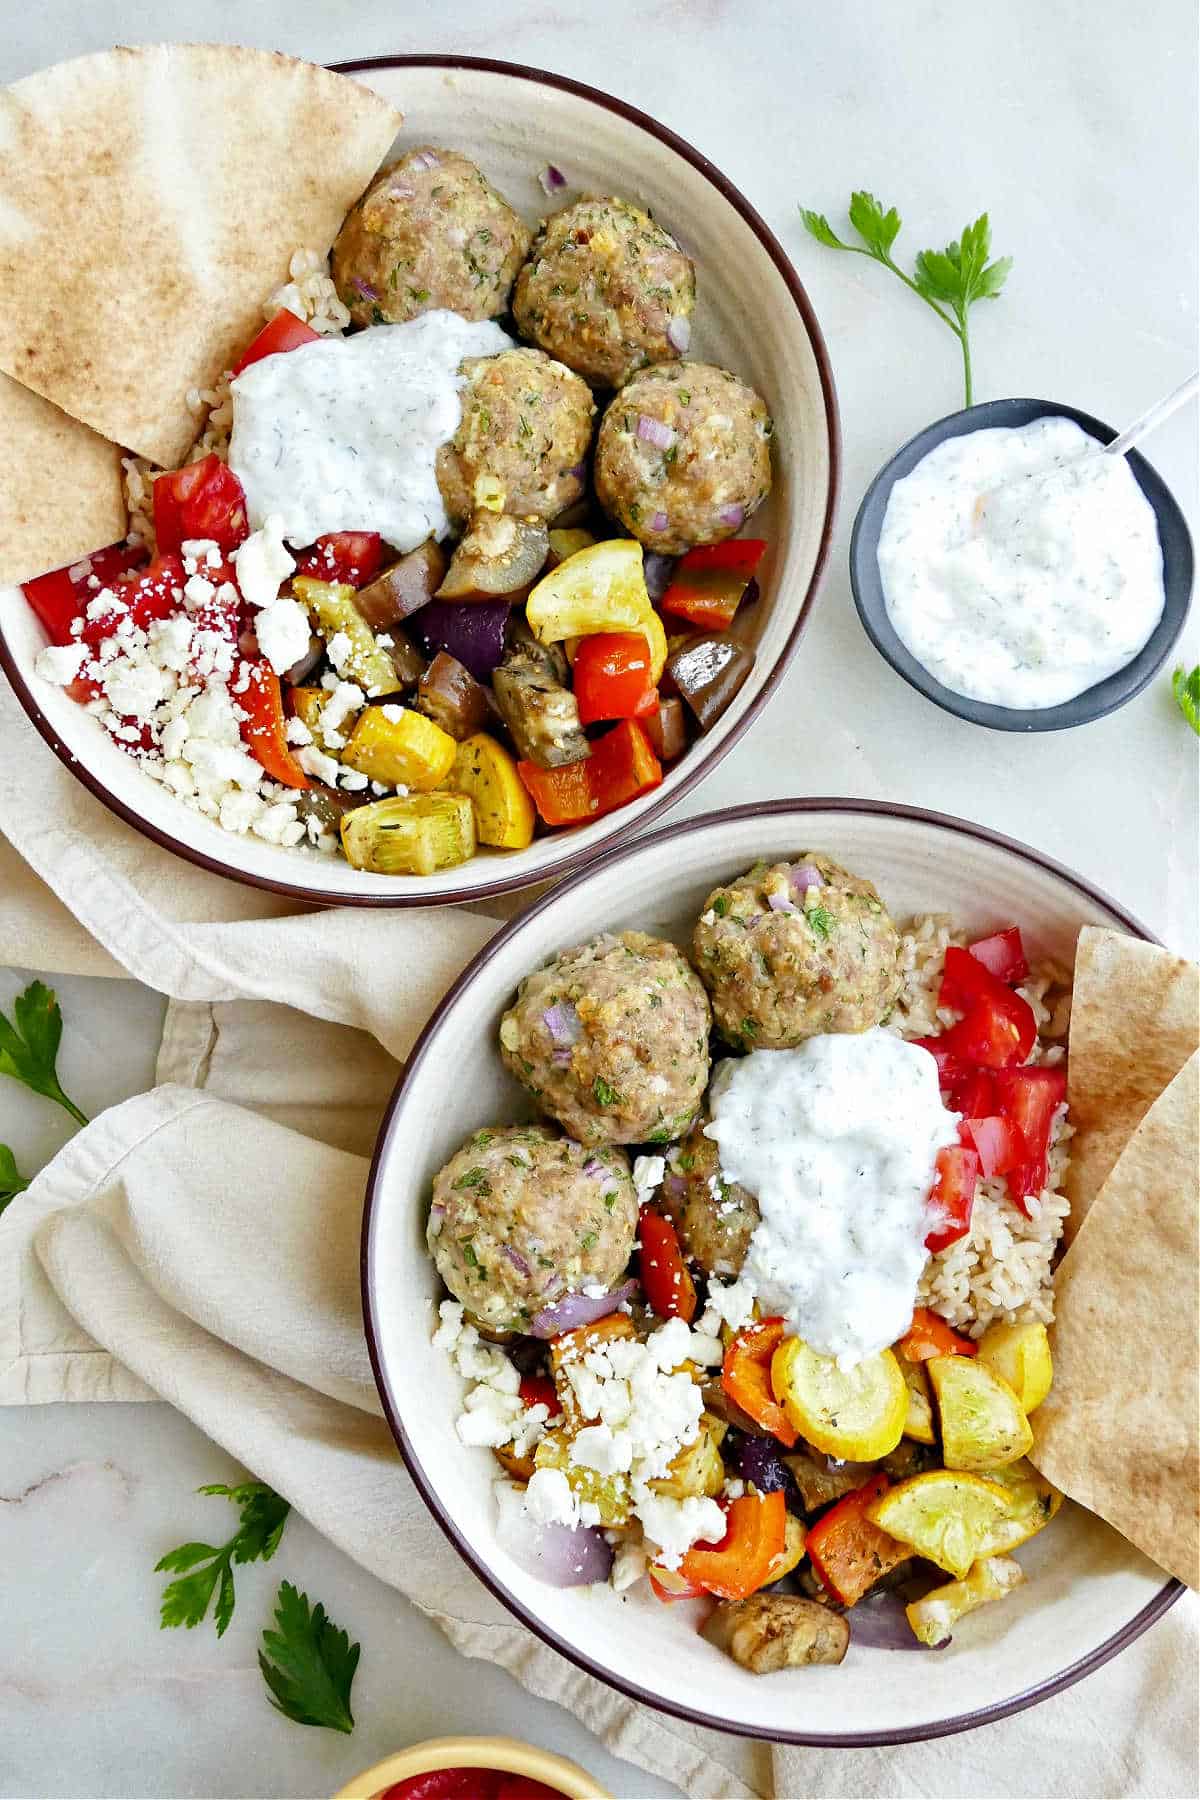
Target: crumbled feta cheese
60,663
339,650
298,732
648,1173
392,713
200,553
314,762
263,564
730,1304
675,1525
630,1563
353,780
598,1447
549,1500
282,631
171,642
198,591
346,699
134,689
278,824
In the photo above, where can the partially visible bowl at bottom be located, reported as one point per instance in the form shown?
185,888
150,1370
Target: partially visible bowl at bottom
1089,1593
492,1753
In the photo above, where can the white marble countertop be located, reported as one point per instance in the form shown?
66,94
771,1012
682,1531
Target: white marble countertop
1075,126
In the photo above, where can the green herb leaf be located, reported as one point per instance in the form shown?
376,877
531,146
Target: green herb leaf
1186,689
950,281
263,1515
605,1095
308,1663
819,919
29,1048
12,1182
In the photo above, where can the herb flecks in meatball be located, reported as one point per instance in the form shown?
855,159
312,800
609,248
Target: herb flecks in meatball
523,438
611,1039
795,949
606,290
683,456
521,1216
430,231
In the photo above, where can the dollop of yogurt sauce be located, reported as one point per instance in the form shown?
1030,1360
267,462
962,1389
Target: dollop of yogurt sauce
342,435
838,1142
1021,565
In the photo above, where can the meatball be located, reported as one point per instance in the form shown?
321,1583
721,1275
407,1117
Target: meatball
521,1216
606,290
430,231
683,456
522,440
715,1218
796,949
611,1039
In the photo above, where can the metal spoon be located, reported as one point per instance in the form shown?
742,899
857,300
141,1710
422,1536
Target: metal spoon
1150,420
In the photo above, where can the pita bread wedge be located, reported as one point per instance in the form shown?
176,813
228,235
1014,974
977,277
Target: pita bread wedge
1118,1429
150,200
1135,1020
61,495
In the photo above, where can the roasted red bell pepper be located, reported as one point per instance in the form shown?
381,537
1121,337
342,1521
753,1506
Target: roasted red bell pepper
612,677
848,1551
666,1282
755,1534
746,1377
1003,955
622,766
670,1584
285,332
952,1198
203,500
1029,1098
264,728
708,583
351,557
996,1141
929,1335
63,595
539,1390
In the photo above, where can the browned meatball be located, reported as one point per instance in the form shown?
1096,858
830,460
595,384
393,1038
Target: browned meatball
683,456
795,949
430,231
715,1218
611,1039
606,290
521,1216
523,438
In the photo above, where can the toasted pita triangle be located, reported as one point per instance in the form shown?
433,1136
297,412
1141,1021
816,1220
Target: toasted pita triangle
60,487
149,202
1118,1429
1135,1020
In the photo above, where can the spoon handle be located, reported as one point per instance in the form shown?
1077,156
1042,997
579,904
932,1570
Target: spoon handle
1150,420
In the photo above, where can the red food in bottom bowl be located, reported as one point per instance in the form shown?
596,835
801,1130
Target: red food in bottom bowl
469,1784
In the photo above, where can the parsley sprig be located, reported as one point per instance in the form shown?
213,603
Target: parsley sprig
949,281
12,1182
205,1568
1186,689
308,1663
29,1046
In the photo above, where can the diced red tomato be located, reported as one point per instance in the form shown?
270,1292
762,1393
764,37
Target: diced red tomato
973,1094
351,557
622,766
666,1282
612,677
755,1534
284,332
996,1141
1002,955
203,500
929,1335
264,729
1029,1099
155,592
63,595
996,1033
952,1198
951,1068
746,1377
848,1551
539,1390
708,583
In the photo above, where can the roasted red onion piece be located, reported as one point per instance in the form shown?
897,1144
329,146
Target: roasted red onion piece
554,1553
574,1310
880,1623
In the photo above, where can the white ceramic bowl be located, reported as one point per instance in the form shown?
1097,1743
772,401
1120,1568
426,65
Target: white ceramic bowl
1088,1592
752,315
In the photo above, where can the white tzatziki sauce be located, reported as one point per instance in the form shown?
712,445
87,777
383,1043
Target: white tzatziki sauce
1021,565
838,1142
342,435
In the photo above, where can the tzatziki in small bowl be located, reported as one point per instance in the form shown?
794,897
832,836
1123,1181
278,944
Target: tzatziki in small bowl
1015,574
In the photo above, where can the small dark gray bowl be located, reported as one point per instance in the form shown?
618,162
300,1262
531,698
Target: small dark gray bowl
1094,702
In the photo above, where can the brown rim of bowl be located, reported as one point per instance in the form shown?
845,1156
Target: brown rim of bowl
984,1715
570,860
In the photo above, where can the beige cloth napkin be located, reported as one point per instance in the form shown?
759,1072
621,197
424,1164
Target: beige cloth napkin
134,1268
